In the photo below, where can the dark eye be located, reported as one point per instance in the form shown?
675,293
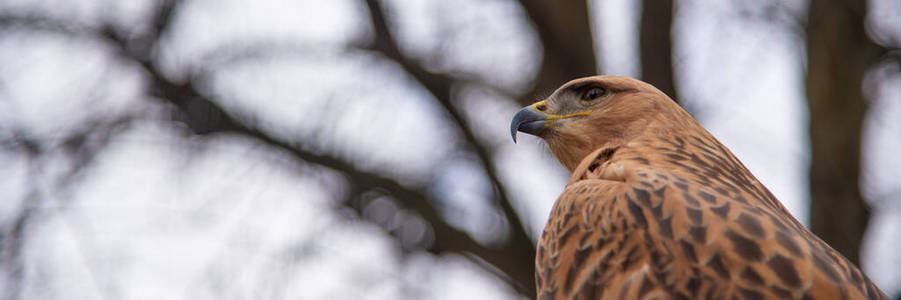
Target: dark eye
593,93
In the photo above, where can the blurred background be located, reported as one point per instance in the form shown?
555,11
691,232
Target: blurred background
359,149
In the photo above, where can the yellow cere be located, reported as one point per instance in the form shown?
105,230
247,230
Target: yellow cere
551,117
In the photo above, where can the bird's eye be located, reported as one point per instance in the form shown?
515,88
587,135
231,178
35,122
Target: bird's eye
593,93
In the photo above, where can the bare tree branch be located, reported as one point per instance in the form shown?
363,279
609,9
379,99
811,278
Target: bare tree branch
236,52
82,147
440,86
203,116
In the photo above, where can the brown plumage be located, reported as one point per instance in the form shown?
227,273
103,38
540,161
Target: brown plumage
657,207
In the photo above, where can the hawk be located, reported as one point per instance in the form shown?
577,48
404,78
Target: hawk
658,208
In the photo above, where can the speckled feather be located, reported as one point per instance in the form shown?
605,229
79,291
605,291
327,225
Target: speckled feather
666,211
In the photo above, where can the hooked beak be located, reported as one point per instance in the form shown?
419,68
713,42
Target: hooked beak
533,121
528,120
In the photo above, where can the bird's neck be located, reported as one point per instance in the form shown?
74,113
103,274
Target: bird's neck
570,146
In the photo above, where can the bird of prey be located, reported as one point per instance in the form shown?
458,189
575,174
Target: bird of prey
657,208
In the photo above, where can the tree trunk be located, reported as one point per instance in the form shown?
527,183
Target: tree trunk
656,46
839,53
565,35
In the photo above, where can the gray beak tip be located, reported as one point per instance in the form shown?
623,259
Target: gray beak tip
527,120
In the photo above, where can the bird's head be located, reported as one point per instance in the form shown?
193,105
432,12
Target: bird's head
592,112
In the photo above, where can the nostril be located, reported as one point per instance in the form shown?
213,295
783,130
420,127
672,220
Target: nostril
541,107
